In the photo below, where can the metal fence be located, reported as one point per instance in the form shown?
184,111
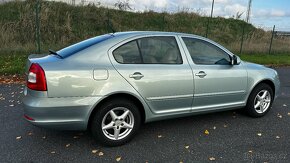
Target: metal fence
272,41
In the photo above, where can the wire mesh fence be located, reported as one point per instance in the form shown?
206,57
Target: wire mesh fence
39,25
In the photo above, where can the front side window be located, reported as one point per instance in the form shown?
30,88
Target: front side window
205,53
149,50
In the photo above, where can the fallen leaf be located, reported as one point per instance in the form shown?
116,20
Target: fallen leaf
214,127
101,153
76,137
118,159
67,145
259,134
159,136
289,113
30,133
11,105
206,132
187,146
225,126
44,137
52,152
18,137
277,137
234,116
212,159
284,105
279,115
180,161
250,151
95,151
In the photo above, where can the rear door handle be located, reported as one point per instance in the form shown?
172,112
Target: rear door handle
201,74
136,75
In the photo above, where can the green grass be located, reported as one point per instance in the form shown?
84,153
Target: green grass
13,63
267,59
62,24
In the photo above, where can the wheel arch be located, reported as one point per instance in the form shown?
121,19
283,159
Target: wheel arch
265,81
128,96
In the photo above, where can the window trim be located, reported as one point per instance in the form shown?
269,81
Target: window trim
139,49
140,53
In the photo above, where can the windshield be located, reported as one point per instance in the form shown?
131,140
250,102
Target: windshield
65,52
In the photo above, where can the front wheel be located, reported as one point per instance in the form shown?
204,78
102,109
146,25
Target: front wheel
260,100
116,122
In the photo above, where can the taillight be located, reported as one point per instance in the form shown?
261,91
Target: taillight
36,78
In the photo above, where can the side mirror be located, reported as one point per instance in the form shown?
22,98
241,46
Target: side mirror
235,60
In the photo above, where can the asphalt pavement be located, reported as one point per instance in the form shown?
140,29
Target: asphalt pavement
231,137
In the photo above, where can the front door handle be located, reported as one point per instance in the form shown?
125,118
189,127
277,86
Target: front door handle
136,75
201,74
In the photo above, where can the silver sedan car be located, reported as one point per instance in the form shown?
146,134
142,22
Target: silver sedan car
111,84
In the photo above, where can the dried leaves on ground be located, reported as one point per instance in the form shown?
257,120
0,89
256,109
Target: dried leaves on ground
12,79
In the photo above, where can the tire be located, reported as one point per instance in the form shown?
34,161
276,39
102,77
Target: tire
260,100
116,116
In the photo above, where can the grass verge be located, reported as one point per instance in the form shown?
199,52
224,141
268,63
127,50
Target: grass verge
276,60
13,63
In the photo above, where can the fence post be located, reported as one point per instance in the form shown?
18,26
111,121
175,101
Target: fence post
110,27
207,27
37,25
273,32
163,21
108,20
242,40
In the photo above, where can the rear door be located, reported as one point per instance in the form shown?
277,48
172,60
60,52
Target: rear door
158,70
217,83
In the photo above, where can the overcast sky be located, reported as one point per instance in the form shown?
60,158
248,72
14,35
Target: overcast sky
264,13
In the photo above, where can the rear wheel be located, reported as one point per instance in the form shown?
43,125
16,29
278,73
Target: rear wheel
116,122
260,100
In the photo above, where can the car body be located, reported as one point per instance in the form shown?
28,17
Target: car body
165,75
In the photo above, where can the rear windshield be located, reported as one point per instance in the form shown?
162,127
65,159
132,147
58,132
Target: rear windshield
65,52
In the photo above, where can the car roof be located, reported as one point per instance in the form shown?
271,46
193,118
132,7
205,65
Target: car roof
135,33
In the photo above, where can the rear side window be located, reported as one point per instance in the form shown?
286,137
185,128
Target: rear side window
128,53
149,50
70,50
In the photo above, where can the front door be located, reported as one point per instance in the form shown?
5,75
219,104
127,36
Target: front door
217,83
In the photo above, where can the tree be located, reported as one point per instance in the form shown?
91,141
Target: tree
239,15
123,5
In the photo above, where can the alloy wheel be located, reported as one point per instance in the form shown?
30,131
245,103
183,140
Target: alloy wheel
117,123
262,101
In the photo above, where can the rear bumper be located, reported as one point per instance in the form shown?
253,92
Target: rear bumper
70,113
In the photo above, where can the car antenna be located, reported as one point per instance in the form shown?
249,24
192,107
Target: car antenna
54,53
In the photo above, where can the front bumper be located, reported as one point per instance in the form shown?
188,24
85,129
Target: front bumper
69,113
